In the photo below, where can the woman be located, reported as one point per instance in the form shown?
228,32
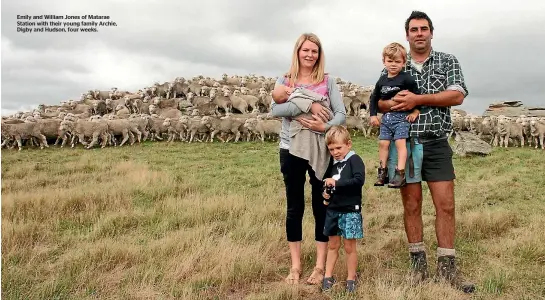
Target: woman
307,72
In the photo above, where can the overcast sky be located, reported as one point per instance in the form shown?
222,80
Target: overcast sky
500,47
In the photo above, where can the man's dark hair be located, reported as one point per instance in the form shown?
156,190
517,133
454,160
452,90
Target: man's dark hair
418,15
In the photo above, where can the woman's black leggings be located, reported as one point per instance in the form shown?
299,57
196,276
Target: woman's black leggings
294,170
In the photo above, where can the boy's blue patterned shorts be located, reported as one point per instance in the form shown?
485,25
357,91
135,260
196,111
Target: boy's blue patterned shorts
394,126
348,225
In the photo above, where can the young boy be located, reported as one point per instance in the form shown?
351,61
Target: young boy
343,185
394,126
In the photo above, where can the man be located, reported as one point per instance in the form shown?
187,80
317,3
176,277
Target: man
440,78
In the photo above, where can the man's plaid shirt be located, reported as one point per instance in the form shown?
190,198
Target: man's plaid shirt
441,71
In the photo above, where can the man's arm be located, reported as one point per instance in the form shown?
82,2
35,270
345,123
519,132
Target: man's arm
454,94
412,86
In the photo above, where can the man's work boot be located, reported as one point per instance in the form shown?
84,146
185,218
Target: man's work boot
419,266
382,177
446,269
398,180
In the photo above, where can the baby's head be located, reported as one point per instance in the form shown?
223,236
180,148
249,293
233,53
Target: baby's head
394,57
338,141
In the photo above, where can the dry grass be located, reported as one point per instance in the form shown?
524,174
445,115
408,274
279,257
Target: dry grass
207,222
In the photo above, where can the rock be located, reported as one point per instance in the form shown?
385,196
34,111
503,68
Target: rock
513,109
468,143
463,113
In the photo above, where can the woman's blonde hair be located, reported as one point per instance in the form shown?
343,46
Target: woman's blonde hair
318,71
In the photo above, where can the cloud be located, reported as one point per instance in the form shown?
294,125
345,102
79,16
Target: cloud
158,41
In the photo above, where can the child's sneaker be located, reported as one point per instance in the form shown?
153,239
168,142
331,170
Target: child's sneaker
327,283
382,177
398,180
351,286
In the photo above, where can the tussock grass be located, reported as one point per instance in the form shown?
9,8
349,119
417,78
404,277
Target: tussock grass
206,221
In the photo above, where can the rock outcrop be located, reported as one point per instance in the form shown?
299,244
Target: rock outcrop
467,143
513,109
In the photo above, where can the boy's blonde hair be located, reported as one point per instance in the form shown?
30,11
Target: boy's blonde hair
394,49
337,133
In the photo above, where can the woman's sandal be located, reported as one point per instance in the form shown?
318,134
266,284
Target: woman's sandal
316,277
294,276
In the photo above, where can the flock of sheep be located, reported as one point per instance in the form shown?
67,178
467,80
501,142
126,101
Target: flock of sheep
502,130
202,109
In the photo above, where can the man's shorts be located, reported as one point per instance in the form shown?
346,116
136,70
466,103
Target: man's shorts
394,126
349,225
432,161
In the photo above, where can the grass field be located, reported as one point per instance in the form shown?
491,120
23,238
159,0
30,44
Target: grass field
206,221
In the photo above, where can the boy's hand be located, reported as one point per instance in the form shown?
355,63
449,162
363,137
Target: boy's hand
326,195
412,116
330,182
374,121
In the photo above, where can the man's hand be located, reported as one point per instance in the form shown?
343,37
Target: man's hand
405,101
330,182
317,124
319,110
374,121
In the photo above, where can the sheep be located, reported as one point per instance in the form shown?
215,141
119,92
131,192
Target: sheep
159,90
265,100
83,128
526,129
123,127
99,107
356,123
194,126
122,111
506,128
226,80
166,103
226,125
236,102
175,127
25,130
100,95
141,123
205,90
263,127
177,89
250,99
172,113
220,101
197,100
537,128
474,122
195,88
156,127
489,126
